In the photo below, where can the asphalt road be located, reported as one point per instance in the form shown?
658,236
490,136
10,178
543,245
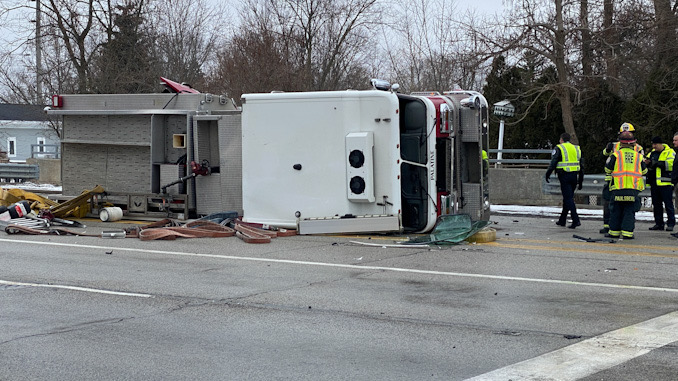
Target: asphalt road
536,304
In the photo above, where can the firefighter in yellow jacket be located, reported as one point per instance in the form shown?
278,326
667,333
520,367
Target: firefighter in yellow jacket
626,167
607,151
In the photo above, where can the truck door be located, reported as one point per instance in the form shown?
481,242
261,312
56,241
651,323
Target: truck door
414,171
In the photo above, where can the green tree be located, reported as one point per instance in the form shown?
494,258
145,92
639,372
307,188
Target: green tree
125,64
598,118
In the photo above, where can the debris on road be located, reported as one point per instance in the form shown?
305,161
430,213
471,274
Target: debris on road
451,229
589,239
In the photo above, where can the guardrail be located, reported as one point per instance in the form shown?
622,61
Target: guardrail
46,151
521,160
592,187
12,172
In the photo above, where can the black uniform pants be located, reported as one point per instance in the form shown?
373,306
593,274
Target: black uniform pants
606,205
623,215
662,197
568,183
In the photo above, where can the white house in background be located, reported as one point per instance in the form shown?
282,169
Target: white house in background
25,129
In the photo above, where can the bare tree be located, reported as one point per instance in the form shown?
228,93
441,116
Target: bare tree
256,61
610,40
666,33
187,36
546,29
18,76
421,48
332,37
586,49
73,21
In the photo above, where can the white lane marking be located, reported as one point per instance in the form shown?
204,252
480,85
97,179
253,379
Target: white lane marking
592,355
76,288
357,267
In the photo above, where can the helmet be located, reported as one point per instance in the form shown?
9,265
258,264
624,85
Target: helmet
626,127
627,137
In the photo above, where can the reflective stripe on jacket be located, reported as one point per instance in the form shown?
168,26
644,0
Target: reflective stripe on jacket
570,155
627,172
617,146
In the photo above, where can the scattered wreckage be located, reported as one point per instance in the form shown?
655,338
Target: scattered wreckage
37,215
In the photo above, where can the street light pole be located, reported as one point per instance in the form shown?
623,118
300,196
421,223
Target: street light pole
502,109
500,144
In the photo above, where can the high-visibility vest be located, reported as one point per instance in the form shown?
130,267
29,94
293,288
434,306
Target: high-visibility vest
665,165
627,172
570,155
616,147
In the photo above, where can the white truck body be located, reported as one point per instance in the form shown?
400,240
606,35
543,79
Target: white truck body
297,165
322,162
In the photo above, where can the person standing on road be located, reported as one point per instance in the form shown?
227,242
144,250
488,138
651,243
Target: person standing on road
566,160
626,167
607,151
674,172
659,167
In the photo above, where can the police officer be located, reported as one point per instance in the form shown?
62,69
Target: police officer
566,160
607,151
626,167
659,166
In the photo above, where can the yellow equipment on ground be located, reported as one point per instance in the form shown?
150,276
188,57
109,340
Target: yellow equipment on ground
77,207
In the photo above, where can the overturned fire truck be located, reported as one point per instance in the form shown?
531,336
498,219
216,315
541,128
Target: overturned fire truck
323,162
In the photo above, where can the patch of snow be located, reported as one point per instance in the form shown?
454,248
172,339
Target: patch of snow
552,211
32,186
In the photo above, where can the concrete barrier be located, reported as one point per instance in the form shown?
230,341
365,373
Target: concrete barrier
50,170
520,186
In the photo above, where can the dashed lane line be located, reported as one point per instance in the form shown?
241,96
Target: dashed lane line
592,355
75,288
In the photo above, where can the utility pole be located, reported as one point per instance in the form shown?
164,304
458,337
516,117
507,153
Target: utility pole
38,55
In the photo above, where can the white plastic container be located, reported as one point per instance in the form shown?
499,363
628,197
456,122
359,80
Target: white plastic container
110,214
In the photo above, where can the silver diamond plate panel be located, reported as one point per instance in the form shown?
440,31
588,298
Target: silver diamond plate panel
473,200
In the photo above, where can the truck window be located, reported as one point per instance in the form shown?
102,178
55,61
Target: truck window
413,130
413,176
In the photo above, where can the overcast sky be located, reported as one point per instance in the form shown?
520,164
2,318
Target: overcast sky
16,26
483,6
